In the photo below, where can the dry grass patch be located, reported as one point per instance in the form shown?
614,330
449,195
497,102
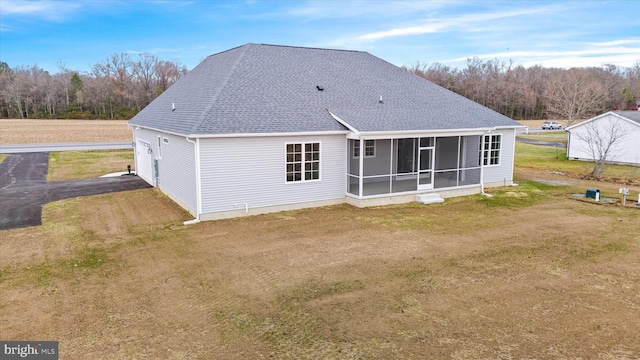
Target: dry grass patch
72,165
535,275
29,131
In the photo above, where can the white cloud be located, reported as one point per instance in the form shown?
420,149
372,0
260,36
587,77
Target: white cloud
49,10
471,22
361,9
592,54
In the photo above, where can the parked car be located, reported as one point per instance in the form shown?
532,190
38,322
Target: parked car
551,125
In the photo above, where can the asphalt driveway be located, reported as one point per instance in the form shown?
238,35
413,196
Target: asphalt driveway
24,188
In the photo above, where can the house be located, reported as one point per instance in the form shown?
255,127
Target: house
588,139
264,128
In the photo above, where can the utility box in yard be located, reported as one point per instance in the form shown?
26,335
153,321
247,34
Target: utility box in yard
593,193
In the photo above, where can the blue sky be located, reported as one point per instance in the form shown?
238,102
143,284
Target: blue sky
564,34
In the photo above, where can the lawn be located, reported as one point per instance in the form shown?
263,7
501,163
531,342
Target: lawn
546,158
527,273
72,165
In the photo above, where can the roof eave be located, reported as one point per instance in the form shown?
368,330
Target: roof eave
439,132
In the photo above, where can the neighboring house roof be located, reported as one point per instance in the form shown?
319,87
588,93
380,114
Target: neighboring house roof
254,89
631,116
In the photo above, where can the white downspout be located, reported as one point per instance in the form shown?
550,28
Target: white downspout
513,156
196,145
135,150
482,162
361,166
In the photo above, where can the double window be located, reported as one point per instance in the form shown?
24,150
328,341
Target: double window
303,162
490,153
369,148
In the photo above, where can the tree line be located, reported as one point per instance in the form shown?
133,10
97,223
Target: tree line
115,88
120,86
537,92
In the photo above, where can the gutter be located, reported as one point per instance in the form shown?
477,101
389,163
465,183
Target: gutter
196,145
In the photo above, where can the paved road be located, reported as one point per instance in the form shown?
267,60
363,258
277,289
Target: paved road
13,149
542,143
24,188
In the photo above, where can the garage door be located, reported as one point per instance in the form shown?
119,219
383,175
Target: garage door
144,160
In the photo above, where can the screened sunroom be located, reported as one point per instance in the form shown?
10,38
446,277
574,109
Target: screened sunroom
378,167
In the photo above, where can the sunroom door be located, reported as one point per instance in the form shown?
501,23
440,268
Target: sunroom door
425,161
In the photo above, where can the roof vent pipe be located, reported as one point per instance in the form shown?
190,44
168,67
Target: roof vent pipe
173,107
381,99
320,88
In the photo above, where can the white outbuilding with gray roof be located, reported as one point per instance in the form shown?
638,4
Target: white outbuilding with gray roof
616,132
263,128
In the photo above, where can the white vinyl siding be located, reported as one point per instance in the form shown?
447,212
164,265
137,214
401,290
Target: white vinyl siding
176,167
625,150
503,172
250,172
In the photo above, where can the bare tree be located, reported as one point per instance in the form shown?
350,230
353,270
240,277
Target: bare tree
168,73
602,140
144,72
573,95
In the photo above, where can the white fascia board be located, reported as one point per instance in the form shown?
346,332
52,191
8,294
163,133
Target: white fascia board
158,130
423,133
626,119
511,127
251,135
568,128
241,135
343,123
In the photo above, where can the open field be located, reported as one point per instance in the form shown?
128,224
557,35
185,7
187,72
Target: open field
29,131
23,131
528,273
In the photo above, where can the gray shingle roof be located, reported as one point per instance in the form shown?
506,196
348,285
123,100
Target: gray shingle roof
631,115
273,89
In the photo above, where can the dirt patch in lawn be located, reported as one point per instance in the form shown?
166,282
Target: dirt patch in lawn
23,131
530,275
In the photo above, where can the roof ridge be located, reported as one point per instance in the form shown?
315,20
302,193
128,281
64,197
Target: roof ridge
310,48
204,113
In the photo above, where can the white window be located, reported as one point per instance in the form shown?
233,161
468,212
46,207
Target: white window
303,162
165,140
369,148
490,154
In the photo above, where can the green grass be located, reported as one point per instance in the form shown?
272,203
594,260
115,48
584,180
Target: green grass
2,157
555,159
72,165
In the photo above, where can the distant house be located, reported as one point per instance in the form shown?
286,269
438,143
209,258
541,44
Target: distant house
263,128
583,138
